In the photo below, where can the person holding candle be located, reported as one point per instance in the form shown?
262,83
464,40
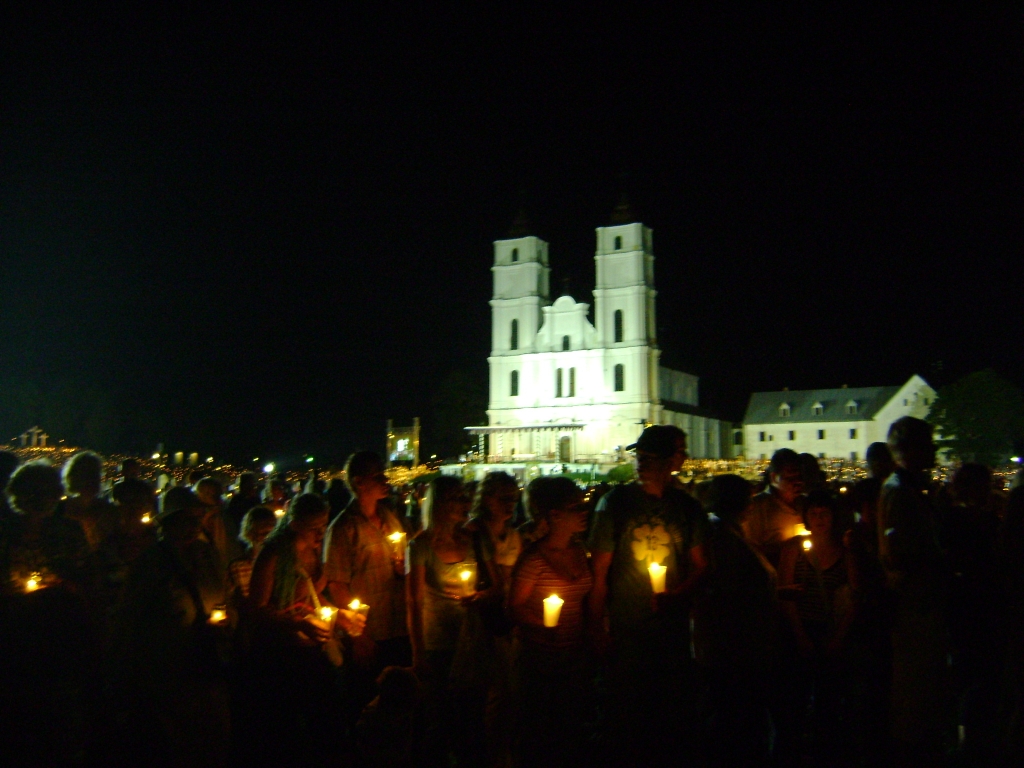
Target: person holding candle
550,586
362,561
48,650
164,655
449,649
290,640
636,525
497,540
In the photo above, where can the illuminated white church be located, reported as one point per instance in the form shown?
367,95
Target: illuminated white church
563,389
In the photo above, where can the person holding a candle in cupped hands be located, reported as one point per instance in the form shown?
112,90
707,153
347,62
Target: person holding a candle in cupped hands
449,642
550,587
294,653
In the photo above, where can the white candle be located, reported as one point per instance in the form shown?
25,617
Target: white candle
327,613
467,575
361,609
657,577
552,610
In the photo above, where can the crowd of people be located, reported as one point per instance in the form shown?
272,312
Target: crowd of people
796,623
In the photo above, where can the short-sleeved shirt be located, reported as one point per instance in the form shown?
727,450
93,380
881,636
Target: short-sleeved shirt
640,529
770,524
443,613
534,567
359,555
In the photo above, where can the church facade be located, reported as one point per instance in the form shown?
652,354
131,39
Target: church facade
565,389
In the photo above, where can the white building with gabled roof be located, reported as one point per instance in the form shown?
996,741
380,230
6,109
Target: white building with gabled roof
830,423
568,390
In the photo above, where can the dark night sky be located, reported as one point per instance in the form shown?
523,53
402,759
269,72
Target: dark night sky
269,233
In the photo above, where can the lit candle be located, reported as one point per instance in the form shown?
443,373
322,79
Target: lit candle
279,512
552,610
801,530
397,540
147,519
327,613
467,575
360,609
807,543
32,583
218,616
657,577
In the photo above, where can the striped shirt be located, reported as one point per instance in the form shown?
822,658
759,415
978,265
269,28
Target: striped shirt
534,567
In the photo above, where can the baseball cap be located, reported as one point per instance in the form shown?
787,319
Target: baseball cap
660,439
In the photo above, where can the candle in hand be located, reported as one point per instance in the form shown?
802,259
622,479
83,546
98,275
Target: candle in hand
657,577
552,610
467,575
327,615
361,609
32,583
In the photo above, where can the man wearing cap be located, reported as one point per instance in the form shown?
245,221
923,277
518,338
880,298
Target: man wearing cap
651,521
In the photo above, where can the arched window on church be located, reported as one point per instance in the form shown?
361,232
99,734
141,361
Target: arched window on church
572,382
513,384
618,325
620,378
514,341
618,243
515,254
565,343
558,382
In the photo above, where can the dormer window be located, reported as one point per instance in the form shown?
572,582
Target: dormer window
851,408
515,254
818,409
784,411
618,243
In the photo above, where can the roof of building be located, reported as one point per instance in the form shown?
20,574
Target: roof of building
766,407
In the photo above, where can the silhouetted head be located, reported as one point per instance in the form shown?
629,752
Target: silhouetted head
496,497
35,488
727,497
130,468
879,460
972,485
785,475
364,473
83,474
8,463
910,441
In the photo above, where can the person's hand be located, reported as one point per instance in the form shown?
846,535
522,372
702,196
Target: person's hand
420,668
476,597
352,622
313,631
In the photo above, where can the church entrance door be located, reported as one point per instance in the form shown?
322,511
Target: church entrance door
565,449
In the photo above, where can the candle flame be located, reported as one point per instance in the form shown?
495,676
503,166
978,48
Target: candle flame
217,615
33,583
464,575
354,605
807,543
326,613
396,537
279,512
146,518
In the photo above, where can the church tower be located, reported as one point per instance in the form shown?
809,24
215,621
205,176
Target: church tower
521,277
624,299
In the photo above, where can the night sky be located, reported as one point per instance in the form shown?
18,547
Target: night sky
266,234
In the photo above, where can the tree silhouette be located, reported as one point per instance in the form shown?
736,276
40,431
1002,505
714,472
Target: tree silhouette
979,417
